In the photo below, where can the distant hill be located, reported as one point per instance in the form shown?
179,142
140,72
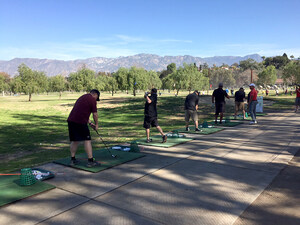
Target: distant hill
148,61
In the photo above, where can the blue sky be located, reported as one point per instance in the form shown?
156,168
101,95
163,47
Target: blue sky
78,29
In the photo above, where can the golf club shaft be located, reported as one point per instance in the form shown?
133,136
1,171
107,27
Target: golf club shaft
104,143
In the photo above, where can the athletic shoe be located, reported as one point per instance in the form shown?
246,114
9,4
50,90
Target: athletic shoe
253,122
187,129
74,162
164,138
148,140
197,129
93,164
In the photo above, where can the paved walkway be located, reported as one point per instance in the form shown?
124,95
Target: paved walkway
223,178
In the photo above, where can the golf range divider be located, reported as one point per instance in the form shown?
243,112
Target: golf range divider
21,185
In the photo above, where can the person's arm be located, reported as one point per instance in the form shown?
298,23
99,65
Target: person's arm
148,99
95,117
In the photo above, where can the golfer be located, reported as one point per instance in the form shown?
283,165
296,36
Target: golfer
191,107
151,115
78,125
239,102
297,101
252,103
218,97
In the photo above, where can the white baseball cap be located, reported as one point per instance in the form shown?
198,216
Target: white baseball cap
252,85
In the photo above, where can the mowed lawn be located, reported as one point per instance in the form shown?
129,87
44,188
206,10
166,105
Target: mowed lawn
36,132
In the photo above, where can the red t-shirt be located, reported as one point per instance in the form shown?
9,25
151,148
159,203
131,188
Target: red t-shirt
84,106
298,93
253,93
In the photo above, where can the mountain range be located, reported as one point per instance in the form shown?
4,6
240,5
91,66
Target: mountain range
100,64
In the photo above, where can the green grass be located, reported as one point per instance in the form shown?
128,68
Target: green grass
32,133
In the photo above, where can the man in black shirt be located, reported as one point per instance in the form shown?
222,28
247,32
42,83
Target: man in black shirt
151,115
239,102
218,96
191,107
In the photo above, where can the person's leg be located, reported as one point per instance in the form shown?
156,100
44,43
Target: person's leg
244,114
251,107
73,148
88,148
221,117
148,133
160,130
187,119
254,110
236,109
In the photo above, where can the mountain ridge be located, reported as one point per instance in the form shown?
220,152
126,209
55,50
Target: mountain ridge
102,64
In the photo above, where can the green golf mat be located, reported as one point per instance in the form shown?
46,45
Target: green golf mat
102,156
157,141
240,118
261,114
209,130
225,124
11,191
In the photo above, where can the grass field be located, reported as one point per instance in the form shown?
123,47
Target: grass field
36,132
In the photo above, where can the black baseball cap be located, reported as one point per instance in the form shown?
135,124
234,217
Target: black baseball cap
97,92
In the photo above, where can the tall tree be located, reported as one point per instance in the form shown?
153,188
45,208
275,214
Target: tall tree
249,64
291,72
57,84
82,80
4,82
121,77
267,76
220,75
29,81
137,79
153,80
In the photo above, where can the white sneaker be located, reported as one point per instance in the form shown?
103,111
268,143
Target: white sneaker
253,122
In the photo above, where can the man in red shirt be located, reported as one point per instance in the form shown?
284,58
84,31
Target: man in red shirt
252,103
78,125
297,102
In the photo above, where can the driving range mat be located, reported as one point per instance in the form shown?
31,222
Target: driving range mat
261,114
225,123
157,141
240,117
102,156
209,130
12,191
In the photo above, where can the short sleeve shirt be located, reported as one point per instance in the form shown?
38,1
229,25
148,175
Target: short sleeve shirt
150,108
219,95
84,106
298,93
191,101
239,96
253,93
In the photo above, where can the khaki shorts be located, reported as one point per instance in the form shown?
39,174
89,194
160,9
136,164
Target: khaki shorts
239,106
191,114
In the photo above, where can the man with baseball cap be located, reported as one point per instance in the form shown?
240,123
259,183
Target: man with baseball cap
78,121
191,107
252,103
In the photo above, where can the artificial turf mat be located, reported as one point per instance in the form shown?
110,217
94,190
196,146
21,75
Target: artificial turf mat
11,191
104,157
209,130
224,123
157,141
240,117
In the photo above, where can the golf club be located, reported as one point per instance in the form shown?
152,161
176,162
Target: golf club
114,156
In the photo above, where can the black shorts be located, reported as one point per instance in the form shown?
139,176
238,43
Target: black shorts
78,132
150,121
220,107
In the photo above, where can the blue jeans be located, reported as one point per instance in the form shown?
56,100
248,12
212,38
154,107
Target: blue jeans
252,110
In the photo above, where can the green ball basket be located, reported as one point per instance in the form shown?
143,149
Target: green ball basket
26,177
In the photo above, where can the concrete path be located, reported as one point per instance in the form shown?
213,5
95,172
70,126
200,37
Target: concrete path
211,180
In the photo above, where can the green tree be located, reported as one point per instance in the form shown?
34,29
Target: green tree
171,68
277,61
57,84
291,72
219,75
121,77
137,79
29,81
82,80
4,82
267,76
249,64
154,80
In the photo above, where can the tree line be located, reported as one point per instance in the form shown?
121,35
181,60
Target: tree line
187,77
